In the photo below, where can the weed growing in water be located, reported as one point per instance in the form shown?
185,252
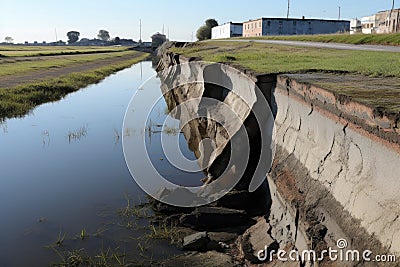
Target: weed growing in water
77,134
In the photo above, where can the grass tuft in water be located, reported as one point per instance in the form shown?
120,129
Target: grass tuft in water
60,238
136,210
77,134
105,258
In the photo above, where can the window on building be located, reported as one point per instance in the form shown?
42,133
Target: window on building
268,23
259,24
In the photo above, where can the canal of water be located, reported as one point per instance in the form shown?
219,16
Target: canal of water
64,181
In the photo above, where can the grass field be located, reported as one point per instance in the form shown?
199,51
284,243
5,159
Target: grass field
28,51
383,68
266,58
19,100
375,39
13,66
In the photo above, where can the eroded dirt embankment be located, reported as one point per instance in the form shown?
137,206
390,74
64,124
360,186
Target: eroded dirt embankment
336,168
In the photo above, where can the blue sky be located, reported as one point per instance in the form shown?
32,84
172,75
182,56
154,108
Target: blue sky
27,20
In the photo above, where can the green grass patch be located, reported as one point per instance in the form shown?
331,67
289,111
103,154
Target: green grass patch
29,51
368,77
374,39
266,58
18,101
20,66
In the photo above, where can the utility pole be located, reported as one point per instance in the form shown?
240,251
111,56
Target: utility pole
163,29
55,31
288,9
140,31
339,11
390,17
192,36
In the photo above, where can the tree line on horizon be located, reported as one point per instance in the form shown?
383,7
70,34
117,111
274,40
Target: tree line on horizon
73,36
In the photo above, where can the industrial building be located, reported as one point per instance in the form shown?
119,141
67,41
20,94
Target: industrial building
292,26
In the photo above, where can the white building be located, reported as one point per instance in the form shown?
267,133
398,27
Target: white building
355,26
227,30
369,24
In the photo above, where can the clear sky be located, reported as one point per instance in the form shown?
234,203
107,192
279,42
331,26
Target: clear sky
39,20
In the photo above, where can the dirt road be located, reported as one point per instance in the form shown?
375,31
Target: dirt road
39,75
377,48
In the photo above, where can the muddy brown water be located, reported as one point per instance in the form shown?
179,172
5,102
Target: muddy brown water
62,170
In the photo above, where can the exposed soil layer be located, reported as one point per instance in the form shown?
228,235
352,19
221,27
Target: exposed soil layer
371,103
315,207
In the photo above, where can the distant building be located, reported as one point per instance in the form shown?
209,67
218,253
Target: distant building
227,30
90,42
146,44
388,21
283,26
355,26
157,40
127,42
369,24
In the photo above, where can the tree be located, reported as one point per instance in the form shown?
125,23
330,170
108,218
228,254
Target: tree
9,39
211,23
204,32
104,35
117,41
73,37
